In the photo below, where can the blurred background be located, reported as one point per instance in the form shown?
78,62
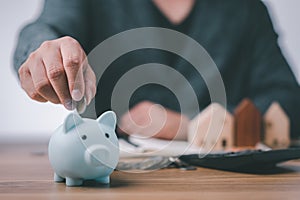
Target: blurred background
23,120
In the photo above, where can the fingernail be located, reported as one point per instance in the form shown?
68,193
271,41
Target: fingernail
76,95
69,105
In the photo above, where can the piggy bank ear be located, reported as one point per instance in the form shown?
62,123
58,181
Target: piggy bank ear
109,119
71,122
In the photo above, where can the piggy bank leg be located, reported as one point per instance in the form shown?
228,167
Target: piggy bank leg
104,180
73,182
58,178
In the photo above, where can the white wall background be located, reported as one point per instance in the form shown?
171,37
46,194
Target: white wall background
21,118
25,120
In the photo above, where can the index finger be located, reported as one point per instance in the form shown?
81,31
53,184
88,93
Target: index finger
73,58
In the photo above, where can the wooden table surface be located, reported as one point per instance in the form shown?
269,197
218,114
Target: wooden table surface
25,173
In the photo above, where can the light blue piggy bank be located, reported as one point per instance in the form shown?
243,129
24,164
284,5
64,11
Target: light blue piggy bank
84,149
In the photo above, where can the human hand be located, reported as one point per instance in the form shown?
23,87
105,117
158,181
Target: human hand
58,72
153,120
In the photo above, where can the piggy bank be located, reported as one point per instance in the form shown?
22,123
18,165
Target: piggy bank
84,149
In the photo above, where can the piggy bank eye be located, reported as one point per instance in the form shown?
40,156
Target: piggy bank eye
84,137
107,135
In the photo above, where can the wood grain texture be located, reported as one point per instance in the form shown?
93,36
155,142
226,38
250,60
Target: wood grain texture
248,123
25,173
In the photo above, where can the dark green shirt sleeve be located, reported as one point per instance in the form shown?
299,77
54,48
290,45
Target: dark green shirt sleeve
58,18
271,78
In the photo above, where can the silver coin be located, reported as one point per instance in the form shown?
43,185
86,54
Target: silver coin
81,105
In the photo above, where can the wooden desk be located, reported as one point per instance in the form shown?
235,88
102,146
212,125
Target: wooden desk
25,173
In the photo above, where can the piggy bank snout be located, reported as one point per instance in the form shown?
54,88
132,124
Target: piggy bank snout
97,155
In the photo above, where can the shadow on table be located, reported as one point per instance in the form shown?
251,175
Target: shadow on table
115,183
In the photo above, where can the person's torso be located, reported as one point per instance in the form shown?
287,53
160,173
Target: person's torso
216,25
